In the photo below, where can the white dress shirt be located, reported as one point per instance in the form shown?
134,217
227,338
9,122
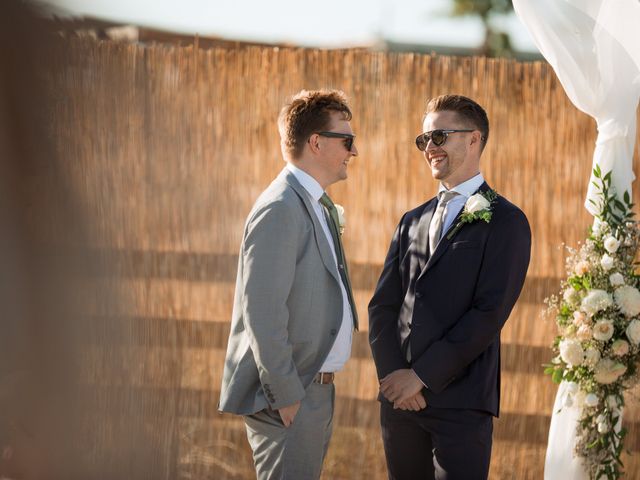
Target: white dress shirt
341,350
464,190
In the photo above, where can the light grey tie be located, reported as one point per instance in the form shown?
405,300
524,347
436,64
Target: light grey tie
435,227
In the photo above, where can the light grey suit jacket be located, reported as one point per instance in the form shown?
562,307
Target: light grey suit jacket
288,304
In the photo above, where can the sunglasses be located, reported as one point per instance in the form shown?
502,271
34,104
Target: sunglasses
348,138
438,137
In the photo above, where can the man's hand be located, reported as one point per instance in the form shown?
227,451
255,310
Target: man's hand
415,403
287,414
400,386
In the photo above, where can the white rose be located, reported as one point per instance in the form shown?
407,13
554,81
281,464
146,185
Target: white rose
633,332
476,203
591,356
584,333
342,221
612,401
608,371
603,330
581,268
611,244
580,318
603,427
571,352
606,262
596,300
591,400
616,279
620,348
628,300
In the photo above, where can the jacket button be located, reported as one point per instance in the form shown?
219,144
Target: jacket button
334,331
418,295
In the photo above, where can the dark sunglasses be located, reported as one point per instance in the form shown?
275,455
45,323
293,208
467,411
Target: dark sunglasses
348,138
438,137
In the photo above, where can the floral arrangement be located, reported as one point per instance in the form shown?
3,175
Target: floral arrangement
598,318
477,207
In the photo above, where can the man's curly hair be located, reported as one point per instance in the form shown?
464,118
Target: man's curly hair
307,112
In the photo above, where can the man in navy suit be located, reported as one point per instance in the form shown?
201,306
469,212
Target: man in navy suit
454,270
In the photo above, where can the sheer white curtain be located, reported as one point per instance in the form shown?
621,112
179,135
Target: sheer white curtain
594,48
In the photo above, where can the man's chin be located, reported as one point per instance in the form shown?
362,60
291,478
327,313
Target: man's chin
438,174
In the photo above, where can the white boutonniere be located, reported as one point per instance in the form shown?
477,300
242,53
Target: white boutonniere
341,220
478,207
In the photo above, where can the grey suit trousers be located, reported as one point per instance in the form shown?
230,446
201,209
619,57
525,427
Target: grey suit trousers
297,452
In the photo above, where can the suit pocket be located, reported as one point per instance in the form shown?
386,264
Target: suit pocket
464,244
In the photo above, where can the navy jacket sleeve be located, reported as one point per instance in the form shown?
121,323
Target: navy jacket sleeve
383,312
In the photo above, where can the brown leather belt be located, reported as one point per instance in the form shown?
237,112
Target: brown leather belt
324,377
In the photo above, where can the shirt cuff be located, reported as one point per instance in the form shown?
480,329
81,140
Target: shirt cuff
425,385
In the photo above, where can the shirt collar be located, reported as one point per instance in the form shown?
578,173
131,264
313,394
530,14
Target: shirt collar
309,183
467,188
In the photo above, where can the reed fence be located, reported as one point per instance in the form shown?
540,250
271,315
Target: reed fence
166,148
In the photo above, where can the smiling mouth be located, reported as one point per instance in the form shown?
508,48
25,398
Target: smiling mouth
437,160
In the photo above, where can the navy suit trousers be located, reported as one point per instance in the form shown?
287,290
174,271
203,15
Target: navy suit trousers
436,443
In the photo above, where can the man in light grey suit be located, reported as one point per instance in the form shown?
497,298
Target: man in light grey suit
293,314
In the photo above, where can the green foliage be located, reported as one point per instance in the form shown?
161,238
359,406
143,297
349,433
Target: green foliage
481,7
612,211
497,43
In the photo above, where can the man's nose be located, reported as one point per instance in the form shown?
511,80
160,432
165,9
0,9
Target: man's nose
430,145
354,150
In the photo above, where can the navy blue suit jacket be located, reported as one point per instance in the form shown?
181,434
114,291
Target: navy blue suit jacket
459,298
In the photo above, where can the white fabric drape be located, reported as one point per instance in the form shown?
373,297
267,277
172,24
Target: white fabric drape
594,48
559,462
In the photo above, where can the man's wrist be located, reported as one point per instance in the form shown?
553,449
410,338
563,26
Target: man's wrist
419,379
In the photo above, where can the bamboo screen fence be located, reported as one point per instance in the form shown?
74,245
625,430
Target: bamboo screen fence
166,148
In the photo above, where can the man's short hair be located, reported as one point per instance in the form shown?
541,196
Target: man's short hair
469,112
307,112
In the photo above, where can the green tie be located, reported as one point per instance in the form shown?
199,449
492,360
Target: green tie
334,226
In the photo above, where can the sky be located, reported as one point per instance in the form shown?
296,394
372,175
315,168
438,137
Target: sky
326,23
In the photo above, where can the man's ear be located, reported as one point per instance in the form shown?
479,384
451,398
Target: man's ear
476,138
314,143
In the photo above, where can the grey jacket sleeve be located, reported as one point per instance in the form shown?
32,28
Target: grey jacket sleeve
269,262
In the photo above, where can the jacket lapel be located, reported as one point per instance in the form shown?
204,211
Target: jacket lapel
321,240
421,241
444,243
